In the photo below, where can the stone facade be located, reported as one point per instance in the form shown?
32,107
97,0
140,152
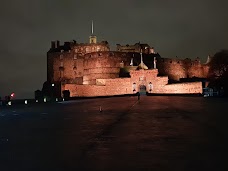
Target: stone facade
65,63
176,68
91,69
145,78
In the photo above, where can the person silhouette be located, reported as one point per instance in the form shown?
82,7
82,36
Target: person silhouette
138,94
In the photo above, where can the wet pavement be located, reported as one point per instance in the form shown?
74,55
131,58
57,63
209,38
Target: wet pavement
120,133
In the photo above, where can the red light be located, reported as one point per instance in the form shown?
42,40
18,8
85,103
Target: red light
12,94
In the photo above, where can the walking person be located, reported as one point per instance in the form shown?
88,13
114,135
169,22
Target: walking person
138,94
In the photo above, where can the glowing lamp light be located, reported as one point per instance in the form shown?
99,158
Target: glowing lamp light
52,85
12,94
26,102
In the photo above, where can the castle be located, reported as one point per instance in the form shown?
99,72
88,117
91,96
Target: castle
92,69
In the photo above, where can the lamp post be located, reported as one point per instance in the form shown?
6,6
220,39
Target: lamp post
52,91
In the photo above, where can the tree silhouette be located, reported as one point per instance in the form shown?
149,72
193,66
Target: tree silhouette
218,71
46,89
218,65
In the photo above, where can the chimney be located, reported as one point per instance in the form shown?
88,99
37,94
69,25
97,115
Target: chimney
53,44
57,44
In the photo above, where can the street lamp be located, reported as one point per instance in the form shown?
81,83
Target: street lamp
52,91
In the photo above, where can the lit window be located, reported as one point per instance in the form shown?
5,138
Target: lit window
61,56
75,56
76,50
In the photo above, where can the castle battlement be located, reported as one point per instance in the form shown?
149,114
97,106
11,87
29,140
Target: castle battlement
106,54
84,67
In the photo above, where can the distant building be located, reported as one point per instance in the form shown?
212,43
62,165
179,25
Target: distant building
91,69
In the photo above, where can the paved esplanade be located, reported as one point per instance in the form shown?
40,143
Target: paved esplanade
155,133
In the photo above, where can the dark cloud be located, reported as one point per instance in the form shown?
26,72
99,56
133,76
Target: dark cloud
175,28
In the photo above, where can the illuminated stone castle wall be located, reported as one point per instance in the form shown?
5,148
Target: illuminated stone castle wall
69,66
66,62
91,69
182,68
102,65
117,86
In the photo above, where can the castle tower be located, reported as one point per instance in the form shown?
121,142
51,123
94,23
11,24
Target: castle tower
92,38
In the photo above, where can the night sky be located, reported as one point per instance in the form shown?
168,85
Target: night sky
174,28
